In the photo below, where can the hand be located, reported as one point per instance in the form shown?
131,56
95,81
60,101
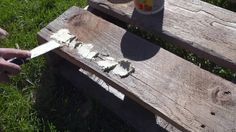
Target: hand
8,68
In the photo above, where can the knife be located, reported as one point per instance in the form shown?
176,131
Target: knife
40,50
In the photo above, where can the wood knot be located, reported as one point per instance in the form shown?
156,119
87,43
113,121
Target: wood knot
222,96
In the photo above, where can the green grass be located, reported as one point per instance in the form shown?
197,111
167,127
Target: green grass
223,3
36,100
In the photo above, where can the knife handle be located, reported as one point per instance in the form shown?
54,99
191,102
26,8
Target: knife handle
19,61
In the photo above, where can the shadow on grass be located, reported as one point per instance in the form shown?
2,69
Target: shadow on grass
63,105
232,7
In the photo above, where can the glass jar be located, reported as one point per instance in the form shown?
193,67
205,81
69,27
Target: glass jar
149,6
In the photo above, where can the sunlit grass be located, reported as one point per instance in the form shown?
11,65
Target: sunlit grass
23,19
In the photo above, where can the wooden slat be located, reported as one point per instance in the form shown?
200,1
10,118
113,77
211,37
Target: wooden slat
178,91
202,28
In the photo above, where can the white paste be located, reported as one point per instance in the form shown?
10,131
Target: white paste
123,68
63,36
84,49
107,63
92,55
74,43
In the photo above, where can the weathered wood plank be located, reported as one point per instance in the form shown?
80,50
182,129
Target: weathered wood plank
178,91
202,28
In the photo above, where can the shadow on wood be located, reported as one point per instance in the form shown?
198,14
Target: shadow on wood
148,21
137,50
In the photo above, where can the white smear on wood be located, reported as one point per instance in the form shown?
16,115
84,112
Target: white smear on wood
92,55
74,43
84,49
123,69
107,63
109,58
63,36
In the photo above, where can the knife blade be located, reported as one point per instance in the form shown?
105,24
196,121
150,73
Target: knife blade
39,50
44,48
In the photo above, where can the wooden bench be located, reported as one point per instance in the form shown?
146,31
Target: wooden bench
181,93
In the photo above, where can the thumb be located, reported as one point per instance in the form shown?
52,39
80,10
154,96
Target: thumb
8,67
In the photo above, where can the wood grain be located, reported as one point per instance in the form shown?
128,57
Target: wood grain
202,28
183,94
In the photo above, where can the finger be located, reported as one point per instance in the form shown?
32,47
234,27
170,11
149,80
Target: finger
8,53
8,67
4,78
